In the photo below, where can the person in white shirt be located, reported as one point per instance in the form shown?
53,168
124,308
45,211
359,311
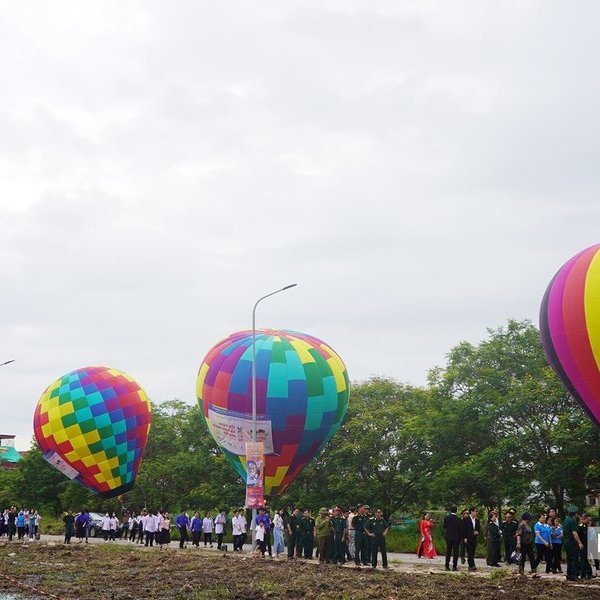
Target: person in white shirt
207,529
113,524
238,525
106,527
142,525
220,522
260,539
158,519
150,528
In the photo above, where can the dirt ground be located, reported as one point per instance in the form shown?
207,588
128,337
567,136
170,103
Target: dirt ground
126,572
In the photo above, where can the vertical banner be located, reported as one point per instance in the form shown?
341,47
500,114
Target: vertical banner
254,474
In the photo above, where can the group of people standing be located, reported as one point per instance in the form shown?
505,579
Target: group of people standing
341,535
23,523
548,535
150,527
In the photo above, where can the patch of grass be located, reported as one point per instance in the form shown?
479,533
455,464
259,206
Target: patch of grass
499,574
220,592
270,587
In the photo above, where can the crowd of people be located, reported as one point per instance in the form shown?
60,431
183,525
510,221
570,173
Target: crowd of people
334,535
518,538
340,535
23,523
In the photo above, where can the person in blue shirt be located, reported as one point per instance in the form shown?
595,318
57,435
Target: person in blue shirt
21,524
182,522
556,536
542,542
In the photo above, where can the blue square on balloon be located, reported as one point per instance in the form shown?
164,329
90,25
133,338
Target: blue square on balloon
297,397
108,393
240,378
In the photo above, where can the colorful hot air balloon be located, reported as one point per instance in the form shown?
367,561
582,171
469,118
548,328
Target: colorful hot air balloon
92,424
302,391
570,328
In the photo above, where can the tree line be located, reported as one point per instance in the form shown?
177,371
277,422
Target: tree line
492,427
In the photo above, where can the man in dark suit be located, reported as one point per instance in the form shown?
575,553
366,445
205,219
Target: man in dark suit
470,531
452,533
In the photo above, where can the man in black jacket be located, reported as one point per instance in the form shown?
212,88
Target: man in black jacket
470,531
452,533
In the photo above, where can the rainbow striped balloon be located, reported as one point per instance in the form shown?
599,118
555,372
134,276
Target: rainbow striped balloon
92,424
302,391
570,328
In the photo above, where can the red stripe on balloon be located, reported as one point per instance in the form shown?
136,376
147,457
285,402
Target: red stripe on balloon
573,310
557,329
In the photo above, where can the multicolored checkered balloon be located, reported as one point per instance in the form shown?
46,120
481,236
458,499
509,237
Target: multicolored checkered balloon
92,424
302,391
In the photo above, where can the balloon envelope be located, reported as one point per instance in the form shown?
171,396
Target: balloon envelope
302,390
92,424
570,328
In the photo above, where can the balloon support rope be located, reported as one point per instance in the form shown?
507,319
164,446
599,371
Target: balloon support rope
29,587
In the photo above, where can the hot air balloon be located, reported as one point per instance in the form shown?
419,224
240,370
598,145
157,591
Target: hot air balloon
302,391
92,424
570,328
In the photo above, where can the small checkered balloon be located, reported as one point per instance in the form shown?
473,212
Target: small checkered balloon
92,424
302,390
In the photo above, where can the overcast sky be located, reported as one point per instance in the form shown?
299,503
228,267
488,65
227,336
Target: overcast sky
420,169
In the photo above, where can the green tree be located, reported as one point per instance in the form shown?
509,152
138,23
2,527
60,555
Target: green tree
504,428
379,455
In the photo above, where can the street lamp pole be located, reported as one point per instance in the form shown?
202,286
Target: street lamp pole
7,362
287,287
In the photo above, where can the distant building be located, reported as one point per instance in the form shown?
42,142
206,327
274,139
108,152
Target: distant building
9,457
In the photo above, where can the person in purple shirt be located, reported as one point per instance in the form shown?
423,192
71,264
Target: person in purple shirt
196,527
182,522
81,525
263,517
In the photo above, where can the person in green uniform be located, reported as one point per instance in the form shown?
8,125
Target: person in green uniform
362,544
509,531
585,569
69,521
291,527
306,525
323,529
572,544
377,529
340,536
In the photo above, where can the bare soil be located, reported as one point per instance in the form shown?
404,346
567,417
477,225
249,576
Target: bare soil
127,572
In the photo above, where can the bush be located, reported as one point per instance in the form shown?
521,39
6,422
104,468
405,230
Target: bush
407,539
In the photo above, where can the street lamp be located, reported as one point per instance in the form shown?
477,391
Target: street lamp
287,287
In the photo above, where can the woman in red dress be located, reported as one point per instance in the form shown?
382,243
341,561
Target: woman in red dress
426,547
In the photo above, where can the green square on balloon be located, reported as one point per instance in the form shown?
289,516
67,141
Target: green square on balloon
87,425
79,403
109,449
69,420
314,384
105,432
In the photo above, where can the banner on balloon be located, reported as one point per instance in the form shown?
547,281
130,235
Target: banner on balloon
232,430
255,458
56,461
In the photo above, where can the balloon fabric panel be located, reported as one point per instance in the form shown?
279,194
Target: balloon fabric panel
569,328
